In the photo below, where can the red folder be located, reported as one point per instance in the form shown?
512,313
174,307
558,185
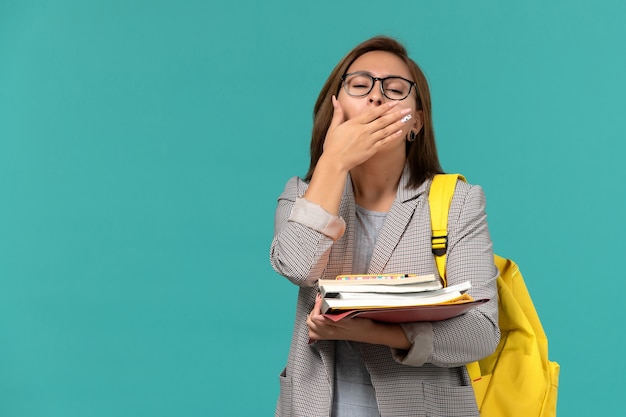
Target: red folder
410,314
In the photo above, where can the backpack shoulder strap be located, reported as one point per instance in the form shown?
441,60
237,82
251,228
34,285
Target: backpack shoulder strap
439,200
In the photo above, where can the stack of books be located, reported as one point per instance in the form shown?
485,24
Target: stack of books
394,298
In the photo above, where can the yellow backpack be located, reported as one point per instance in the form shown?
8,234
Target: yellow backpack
518,379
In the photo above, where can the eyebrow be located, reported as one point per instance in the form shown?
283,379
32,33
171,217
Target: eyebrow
375,76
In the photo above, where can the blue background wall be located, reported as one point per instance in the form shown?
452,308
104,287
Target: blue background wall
143,145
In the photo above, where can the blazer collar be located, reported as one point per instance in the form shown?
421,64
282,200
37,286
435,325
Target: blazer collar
397,220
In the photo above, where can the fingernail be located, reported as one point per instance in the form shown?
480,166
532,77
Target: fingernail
406,118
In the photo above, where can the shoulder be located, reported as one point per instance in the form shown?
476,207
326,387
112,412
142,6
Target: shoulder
295,187
468,202
464,192
469,193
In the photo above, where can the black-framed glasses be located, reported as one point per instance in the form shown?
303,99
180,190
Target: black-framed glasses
359,84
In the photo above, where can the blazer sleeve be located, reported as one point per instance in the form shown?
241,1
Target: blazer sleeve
303,236
474,335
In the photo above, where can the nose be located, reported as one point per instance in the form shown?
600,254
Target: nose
375,96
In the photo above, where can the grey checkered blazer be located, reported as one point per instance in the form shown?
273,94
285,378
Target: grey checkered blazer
429,379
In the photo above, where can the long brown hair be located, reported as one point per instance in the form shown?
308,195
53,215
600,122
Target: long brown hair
422,153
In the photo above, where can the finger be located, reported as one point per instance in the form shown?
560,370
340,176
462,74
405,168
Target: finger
390,123
383,138
404,115
376,112
390,133
317,308
338,115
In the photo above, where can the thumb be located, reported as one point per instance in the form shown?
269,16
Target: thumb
338,116
317,309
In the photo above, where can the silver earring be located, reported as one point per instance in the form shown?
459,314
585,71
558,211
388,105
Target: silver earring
412,136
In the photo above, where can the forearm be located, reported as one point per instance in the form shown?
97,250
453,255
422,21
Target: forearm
358,330
327,184
386,334
303,236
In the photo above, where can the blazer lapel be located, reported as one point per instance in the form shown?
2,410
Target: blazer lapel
396,223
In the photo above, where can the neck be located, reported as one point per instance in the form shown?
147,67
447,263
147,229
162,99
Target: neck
375,182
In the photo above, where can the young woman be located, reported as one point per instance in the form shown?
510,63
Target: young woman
363,208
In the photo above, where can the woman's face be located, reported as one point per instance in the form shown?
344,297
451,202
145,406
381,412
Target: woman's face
379,64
